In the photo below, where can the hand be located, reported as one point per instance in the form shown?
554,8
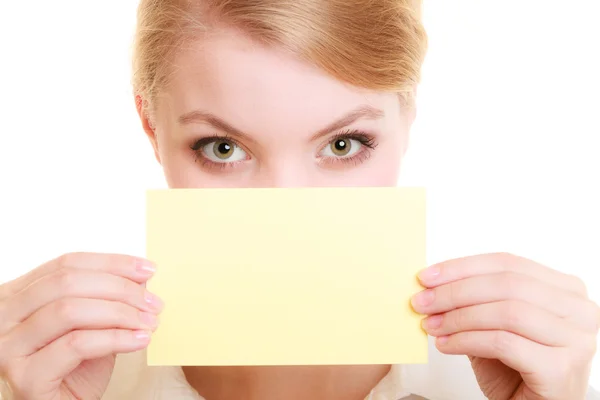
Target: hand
62,324
529,331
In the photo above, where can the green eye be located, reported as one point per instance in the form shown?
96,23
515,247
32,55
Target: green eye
223,149
220,150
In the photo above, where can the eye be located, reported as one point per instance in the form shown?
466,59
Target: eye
223,151
341,148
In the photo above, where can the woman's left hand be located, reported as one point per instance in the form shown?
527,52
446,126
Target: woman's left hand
529,331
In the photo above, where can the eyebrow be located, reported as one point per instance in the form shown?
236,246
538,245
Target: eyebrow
198,116
362,112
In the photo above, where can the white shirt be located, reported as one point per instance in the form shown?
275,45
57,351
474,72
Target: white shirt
443,378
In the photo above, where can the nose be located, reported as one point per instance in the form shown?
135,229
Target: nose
285,175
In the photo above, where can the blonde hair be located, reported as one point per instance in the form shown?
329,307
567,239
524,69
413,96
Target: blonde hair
373,44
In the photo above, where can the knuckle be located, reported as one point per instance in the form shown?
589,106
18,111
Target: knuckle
506,259
75,342
513,315
125,288
512,284
460,320
126,315
115,336
67,260
127,291
454,293
121,259
502,342
66,280
116,263
65,311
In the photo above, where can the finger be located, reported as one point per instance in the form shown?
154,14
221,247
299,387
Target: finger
61,357
70,282
61,317
495,263
513,350
514,316
506,286
133,268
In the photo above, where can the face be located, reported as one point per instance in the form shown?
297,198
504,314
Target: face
239,115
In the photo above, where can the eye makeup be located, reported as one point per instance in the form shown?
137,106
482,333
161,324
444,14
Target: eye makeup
349,139
220,143
336,145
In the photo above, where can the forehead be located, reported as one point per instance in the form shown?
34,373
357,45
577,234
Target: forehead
261,89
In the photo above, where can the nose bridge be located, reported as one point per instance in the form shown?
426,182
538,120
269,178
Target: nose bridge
285,172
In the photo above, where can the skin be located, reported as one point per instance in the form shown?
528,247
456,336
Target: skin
296,103
529,331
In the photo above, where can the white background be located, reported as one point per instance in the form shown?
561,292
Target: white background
506,139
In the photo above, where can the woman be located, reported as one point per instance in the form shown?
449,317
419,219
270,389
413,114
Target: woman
272,93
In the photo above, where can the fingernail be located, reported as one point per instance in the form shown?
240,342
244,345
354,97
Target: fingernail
153,301
433,322
142,335
145,266
429,274
442,339
423,298
149,320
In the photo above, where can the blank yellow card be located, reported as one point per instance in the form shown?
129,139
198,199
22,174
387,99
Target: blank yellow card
287,276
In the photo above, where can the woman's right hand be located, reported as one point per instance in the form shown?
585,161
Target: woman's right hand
62,324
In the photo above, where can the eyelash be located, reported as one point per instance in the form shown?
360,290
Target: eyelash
364,139
363,155
205,162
